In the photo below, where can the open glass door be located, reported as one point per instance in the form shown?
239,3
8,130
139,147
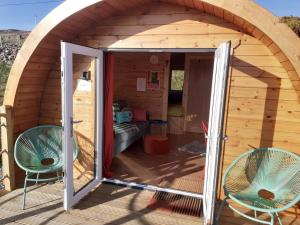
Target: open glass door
82,109
215,128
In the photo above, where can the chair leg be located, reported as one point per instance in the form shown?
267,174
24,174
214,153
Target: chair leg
37,177
255,214
279,220
58,176
220,210
24,191
272,222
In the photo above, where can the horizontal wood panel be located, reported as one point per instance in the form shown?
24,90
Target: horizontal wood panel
256,61
262,82
174,19
265,125
252,50
279,135
259,72
237,145
262,114
200,29
159,41
263,93
269,104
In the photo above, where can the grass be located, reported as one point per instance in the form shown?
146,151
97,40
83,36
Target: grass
177,80
293,22
4,71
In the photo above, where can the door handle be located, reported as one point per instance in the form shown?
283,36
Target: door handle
72,122
76,121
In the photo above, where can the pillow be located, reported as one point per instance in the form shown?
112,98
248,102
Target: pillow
121,104
139,115
117,107
123,117
126,109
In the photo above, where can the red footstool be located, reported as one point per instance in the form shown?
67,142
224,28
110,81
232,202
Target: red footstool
156,144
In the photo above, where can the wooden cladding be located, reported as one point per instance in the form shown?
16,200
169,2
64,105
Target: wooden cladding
129,67
235,16
261,91
263,106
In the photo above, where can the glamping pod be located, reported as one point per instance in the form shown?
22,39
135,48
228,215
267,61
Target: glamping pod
160,63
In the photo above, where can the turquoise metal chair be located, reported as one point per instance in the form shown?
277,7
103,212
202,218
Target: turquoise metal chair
265,180
39,151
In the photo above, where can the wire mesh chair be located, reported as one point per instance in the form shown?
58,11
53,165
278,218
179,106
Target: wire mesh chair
265,180
39,151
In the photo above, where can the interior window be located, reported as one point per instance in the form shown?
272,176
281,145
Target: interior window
177,80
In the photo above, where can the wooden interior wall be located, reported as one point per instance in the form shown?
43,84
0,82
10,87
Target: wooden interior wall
263,105
129,67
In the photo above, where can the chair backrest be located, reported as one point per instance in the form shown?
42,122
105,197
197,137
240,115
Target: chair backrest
273,169
39,143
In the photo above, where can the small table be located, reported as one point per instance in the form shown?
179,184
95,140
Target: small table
156,144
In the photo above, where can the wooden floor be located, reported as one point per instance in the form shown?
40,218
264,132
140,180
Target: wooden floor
175,110
179,170
113,205
108,204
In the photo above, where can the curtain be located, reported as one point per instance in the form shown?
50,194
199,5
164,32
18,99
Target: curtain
108,114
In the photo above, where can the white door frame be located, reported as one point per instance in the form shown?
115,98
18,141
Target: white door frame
214,141
215,130
67,51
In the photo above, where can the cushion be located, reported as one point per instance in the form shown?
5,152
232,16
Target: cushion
139,115
125,109
117,107
121,104
123,117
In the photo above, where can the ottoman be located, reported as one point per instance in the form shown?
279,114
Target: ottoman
156,144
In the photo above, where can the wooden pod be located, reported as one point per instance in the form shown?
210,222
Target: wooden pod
263,106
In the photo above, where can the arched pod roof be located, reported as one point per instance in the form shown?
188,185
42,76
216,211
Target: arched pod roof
244,13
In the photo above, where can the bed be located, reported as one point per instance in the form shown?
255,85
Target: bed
125,134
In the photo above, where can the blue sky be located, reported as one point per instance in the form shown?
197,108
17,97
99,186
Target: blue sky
281,7
24,16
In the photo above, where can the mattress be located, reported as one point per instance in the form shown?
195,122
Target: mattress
128,133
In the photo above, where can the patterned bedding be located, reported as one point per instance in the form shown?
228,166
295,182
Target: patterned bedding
126,134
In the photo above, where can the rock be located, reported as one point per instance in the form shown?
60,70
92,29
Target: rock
10,44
